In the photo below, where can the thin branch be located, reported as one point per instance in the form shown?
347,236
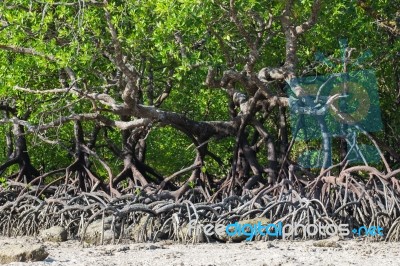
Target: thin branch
87,2
101,97
41,91
29,51
240,26
78,117
312,20
131,90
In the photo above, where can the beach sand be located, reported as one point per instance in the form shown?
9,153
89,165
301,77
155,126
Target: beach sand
277,252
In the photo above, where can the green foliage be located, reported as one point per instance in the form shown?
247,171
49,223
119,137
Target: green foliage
138,191
3,182
192,184
169,150
78,36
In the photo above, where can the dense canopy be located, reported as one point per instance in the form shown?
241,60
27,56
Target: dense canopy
154,95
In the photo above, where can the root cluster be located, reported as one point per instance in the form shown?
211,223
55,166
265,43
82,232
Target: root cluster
345,199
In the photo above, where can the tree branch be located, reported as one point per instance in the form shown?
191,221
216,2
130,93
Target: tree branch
29,51
312,20
77,117
131,91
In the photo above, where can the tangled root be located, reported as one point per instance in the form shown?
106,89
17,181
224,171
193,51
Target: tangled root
327,200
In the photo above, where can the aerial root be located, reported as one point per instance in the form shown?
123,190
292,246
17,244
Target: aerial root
341,200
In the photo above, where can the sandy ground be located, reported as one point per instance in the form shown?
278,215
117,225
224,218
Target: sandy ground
351,252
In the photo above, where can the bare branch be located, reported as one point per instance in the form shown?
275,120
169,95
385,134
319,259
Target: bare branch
101,97
312,20
41,91
291,39
77,117
131,90
29,51
182,47
381,22
89,2
240,26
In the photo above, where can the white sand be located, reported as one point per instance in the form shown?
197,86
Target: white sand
351,252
